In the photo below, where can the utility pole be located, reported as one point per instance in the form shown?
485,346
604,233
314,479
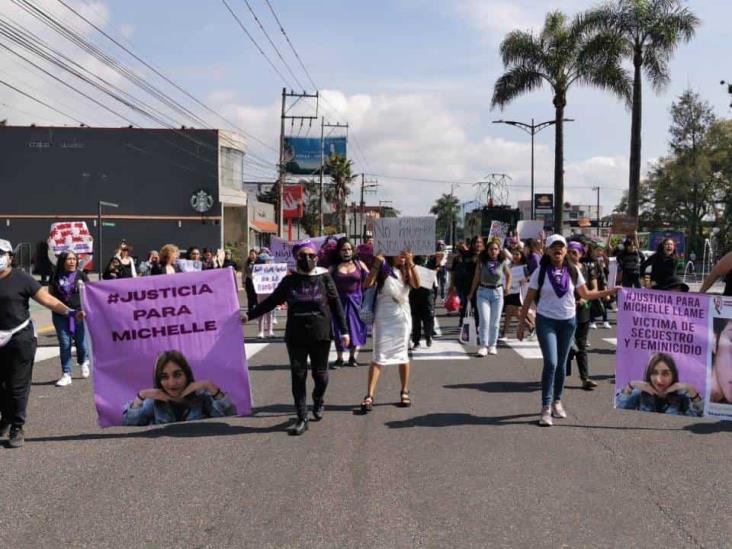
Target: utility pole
101,204
323,125
282,171
532,129
365,187
597,212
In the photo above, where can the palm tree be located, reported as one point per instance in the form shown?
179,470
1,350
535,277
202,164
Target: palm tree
650,31
446,208
564,53
339,169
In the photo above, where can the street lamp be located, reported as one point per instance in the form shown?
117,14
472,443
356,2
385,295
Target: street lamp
532,129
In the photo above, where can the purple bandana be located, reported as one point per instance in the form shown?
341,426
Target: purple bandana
559,279
67,285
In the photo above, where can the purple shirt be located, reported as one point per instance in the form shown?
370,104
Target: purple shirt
532,262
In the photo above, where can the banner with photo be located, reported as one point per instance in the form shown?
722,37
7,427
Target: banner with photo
303,154
167,348
664,352
719,380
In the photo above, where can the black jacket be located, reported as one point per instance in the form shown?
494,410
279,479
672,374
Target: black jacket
312,301
74,302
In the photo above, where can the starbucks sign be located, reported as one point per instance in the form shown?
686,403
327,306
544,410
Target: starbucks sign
201,201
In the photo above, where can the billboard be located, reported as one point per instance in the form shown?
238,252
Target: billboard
543,201
293,206
302,154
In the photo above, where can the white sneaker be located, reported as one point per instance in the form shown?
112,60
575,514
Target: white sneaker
483,351
64,381
558,410
260,335
492,350
606,325
84,369
593,326
271,333
546,417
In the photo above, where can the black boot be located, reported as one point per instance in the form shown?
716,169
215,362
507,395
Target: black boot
17,436
318,409
299,428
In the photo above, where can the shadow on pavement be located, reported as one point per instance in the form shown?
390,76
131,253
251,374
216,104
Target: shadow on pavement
500,386
274,410
456,419
709,428
191,429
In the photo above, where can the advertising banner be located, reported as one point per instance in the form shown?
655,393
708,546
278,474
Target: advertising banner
663,353
71,236
176,341
303,154
267,276
393,235
292,201
543,201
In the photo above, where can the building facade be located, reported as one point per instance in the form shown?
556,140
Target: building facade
171,186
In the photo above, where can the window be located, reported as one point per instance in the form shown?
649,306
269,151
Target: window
232,168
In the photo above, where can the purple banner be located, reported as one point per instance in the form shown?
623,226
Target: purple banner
663,352
175,340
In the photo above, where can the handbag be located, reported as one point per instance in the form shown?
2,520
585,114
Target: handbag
368,306
452,303
468,331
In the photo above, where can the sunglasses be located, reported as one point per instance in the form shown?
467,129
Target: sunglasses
308,256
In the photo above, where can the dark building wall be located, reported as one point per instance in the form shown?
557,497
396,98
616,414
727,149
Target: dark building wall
52,172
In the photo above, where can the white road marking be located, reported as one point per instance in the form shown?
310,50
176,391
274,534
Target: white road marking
254,348
611,340
443,349
529,350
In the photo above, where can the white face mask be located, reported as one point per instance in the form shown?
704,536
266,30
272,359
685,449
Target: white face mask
4,262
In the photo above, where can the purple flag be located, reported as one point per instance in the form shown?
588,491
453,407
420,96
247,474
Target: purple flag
663,351
141,327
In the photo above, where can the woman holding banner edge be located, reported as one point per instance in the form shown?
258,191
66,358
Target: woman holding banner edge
312,303
555,320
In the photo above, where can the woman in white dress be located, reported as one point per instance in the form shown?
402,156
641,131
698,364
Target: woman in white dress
392,321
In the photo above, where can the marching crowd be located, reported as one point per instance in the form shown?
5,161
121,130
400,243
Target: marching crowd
555,289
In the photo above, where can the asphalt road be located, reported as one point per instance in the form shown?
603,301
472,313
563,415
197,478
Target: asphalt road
466,466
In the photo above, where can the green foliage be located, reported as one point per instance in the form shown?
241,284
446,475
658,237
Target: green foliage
340,172
447,209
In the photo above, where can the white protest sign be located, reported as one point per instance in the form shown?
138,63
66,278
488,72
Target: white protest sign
527,228
267,276
612,276
427,277
393,235
189,265
70,236
518,277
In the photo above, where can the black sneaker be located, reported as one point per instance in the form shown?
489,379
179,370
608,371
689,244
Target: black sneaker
4,429
299,428
318,410
17,437
429,342
352,361
337,364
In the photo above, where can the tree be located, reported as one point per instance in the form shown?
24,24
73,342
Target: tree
650,31
446,208
564,53
340,172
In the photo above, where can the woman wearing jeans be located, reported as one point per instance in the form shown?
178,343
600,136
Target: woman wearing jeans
492,280
554,284
64,286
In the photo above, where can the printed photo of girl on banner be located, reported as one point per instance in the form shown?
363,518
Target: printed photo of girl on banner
720,374
663,352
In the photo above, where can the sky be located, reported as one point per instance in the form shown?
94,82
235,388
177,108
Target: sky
412,78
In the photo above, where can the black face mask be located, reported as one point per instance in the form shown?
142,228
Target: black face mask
306,264
346,256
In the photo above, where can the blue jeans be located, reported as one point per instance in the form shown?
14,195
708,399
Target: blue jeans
66,339
490,305
555,340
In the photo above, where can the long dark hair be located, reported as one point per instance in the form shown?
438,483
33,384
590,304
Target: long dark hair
661,252
391,261
668,361
61,262
337,259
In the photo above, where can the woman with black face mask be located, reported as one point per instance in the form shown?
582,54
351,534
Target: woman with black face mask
349,275
312,305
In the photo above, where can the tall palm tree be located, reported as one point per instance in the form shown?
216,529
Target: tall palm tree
446,208
650,31
339,169
564,53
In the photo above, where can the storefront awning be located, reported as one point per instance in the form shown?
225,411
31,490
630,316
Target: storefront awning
263,226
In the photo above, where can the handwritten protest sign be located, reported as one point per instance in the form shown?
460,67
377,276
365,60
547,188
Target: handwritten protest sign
624,224
527,228
427,277
267,276
132,321
282,249
663,351
393,235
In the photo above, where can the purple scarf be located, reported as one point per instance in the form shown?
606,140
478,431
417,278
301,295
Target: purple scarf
559,279
67,287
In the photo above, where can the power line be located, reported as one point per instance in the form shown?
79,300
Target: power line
54,109
164,77
256,45
277,51
292,47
